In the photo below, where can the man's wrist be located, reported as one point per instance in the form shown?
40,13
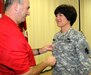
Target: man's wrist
38,51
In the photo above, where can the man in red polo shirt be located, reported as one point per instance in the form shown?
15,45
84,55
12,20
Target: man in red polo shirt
16,56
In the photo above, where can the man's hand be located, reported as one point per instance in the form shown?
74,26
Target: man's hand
50,61
46,48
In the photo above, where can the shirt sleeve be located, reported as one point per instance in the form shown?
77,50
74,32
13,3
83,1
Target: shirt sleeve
18,55
15,53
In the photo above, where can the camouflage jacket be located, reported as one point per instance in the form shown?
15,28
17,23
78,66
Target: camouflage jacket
72,53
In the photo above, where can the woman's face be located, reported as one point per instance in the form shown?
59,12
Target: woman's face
61,20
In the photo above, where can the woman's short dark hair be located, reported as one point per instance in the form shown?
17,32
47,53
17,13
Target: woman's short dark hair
68,11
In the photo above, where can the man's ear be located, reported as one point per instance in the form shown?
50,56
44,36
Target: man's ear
16,7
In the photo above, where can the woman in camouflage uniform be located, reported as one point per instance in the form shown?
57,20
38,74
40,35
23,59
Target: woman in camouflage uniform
70,46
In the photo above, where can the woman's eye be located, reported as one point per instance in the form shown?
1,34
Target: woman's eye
60,14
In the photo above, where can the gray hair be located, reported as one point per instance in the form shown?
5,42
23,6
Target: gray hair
8,3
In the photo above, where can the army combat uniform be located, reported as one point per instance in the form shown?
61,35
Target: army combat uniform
72,53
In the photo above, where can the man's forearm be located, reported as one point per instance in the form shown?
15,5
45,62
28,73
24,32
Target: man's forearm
36,70
42,49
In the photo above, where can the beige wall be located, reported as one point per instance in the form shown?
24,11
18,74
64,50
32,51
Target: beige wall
86,19
41,22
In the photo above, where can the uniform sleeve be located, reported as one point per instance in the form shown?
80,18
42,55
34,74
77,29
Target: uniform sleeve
83,53
83,45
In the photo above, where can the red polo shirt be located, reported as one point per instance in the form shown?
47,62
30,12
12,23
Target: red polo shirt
16,55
